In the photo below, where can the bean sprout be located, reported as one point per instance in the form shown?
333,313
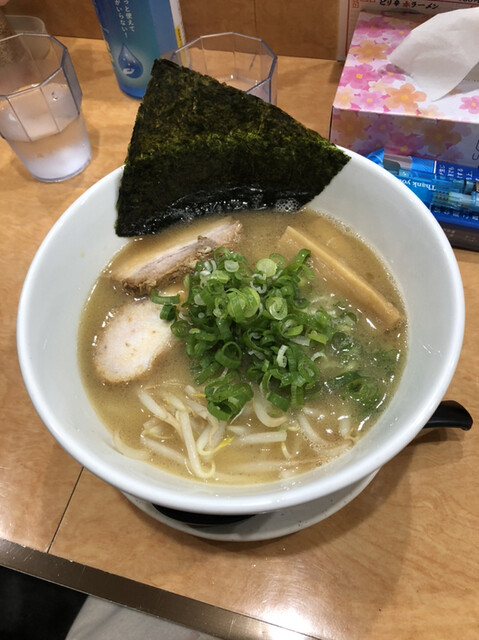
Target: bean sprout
203,435
309,432
176,402
260,409
265,437
158,411
191,449
344,426
126,450
163,450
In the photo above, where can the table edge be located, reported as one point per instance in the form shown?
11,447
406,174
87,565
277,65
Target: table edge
173,607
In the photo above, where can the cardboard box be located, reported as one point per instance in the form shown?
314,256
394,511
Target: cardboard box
376,105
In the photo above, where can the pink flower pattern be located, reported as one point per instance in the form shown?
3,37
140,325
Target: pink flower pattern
344,97
368,51
389,74
359,76
352,127
371,26
370,101
470,104
377,105
400,142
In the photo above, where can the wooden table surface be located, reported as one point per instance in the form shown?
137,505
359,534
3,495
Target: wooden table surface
400,561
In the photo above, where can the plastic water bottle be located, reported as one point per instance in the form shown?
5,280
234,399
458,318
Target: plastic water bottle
137,32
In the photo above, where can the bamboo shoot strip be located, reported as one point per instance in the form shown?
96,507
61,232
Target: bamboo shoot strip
346,279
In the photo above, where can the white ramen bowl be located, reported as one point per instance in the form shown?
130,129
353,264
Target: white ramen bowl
364,196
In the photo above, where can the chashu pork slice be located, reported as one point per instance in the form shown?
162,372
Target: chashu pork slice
164,260
131,341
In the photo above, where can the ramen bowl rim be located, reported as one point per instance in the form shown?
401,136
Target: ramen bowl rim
266,497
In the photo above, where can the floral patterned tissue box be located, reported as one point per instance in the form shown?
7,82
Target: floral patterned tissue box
376,105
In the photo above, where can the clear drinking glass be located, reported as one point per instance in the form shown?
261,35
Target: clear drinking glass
40,107
244,62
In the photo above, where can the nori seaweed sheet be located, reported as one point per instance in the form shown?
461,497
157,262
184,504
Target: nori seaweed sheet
200,146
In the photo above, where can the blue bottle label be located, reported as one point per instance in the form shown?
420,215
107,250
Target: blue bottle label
137,32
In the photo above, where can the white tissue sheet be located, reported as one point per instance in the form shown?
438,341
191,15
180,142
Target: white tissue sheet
441,52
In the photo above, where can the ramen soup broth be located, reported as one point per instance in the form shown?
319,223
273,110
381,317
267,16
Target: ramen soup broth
327,425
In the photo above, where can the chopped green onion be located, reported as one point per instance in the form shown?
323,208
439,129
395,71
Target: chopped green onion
229,355
342,380
279,401
180,328
219,276
281,358
365,391
267,267
278,259
225,399
257,326
236,305
208,372
168,312
318,337
217,412
157,299
277,307
231,266
252,301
